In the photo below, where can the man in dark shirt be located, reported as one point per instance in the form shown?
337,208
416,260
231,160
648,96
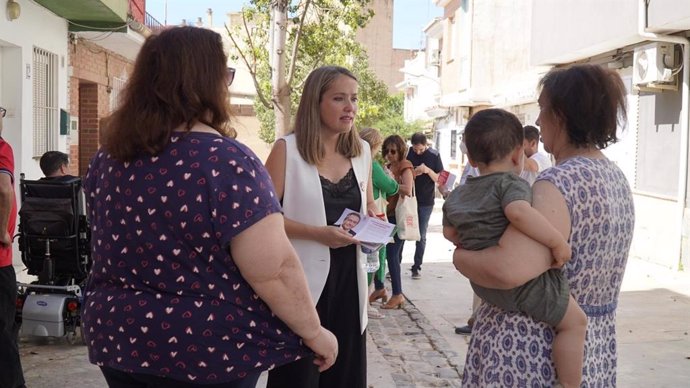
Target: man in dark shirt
427,165
55,166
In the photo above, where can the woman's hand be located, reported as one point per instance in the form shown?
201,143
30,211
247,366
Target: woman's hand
335,237
325,345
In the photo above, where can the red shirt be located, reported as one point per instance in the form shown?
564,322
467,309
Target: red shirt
7,167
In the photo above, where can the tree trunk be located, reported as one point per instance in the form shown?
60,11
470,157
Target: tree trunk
279,86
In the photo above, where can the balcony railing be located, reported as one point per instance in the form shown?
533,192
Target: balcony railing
152,24
139,14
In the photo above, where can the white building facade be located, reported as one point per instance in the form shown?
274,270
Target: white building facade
654,149
483,62
33,83
493,53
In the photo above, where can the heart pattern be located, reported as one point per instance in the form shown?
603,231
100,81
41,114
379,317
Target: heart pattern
180,209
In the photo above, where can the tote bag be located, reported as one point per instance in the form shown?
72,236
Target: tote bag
381,204
406,218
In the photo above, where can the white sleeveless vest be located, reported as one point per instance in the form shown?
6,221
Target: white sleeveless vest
303,202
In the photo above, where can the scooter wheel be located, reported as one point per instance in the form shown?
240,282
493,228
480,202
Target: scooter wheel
71,337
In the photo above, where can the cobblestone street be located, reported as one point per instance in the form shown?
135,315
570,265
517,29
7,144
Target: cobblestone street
416,347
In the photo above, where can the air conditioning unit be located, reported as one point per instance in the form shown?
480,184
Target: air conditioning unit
653,64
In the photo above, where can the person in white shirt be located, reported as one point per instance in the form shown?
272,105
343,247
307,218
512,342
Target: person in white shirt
535,161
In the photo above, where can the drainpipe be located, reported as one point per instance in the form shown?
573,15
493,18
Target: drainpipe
683,170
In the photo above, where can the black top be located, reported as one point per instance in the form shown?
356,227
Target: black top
425,186
62,178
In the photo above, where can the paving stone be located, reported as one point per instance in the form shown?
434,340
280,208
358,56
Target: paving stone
415,349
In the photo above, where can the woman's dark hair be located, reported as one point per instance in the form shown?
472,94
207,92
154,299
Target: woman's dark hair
492,134
398,143
590,99
179,78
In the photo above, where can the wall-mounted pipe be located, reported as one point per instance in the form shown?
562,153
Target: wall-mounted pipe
684,127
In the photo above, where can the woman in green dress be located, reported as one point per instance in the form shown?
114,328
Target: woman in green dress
384,186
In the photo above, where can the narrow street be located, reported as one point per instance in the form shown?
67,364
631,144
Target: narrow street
416,347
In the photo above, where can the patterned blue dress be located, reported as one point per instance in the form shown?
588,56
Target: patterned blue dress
513,350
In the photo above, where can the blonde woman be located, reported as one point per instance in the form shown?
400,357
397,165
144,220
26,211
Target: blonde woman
319,170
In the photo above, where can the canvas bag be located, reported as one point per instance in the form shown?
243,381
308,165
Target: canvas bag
381,204
406,218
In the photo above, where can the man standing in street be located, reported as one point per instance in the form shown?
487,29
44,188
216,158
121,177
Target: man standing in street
535,161
427,165
12,375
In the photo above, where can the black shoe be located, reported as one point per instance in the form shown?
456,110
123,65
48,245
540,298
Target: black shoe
416,274
464,330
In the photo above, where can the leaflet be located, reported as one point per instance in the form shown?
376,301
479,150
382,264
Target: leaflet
446,180
372,232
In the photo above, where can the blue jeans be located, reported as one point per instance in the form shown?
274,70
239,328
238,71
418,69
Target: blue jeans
393,257
424,213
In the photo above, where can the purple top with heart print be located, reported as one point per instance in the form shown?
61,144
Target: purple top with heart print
164,296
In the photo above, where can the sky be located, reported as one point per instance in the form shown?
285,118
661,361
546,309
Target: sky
409,16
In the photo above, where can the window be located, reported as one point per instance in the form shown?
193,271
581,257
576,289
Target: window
453,144
117,85
45,93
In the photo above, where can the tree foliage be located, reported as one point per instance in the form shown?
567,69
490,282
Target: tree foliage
318,32
389,119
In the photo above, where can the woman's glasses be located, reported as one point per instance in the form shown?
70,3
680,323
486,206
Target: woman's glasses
389,151
3,111
231,75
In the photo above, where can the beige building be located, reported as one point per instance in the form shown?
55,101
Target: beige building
492,54
377,39
481,63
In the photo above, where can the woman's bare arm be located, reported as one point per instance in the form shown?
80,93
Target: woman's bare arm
331,236
372,209
517,258
276,275
405,188
275,165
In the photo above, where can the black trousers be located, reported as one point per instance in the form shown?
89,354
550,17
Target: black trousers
119,379
338,309
11,375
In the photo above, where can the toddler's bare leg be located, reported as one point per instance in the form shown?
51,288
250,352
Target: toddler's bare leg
569,345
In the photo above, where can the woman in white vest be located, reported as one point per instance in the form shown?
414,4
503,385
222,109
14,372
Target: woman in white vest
319,170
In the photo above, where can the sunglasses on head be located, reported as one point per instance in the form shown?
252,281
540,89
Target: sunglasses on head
389,151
